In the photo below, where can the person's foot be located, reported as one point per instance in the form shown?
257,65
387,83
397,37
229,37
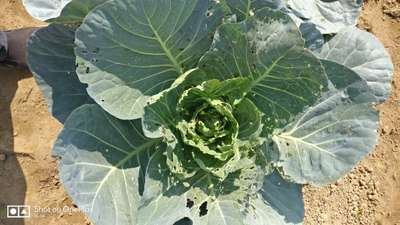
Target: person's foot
17,41
3,46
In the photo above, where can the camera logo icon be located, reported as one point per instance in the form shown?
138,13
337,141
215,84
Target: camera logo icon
18,211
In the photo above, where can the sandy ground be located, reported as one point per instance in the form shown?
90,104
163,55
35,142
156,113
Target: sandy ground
370,195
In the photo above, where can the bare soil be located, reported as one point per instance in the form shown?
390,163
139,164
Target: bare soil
370,195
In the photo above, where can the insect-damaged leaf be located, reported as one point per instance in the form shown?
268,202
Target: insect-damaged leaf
329,138
132,49
54,46
269,50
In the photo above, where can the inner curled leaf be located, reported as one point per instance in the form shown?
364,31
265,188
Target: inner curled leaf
210,122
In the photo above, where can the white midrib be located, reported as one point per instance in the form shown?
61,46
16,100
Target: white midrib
175,63
269,70
117,166
300,140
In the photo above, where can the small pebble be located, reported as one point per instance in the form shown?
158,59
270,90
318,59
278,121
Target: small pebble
371,197
3,157
369,169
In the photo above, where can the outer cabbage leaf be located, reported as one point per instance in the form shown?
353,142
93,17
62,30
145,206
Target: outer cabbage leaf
103,163
164,198
363,53
162,193
184,221
249,119
76,10
314,39
284,198
246,8
247,197
52,61
285,207
328,16
130,50
45,9
329,138
269,50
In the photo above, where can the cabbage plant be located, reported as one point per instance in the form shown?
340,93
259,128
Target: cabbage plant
205,112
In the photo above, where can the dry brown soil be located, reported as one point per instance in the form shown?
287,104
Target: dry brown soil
370,195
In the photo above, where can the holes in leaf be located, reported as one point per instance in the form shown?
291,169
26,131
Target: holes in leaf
211,36
96,50
87,69
203,209
184,221
251,13
253,51
210,11
189,203
287,144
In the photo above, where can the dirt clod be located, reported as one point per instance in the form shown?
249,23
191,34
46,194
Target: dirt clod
392,8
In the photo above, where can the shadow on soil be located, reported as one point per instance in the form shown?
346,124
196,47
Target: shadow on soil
12,180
